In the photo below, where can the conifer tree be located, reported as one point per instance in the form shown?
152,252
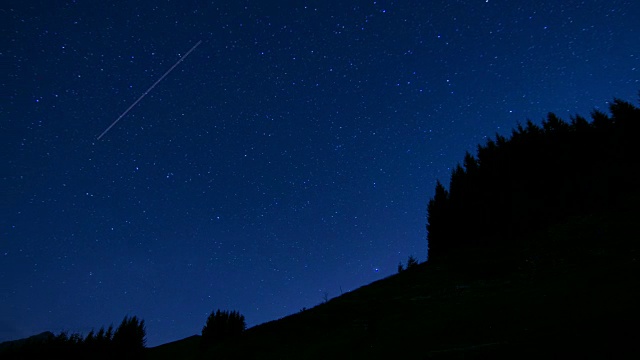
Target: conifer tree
129,337
437,217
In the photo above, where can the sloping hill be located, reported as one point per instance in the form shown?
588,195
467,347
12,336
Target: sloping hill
31,339
535,256
572,289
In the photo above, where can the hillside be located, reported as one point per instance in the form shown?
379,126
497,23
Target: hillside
539,300
535,255
17,343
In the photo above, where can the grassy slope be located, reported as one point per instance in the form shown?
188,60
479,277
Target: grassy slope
572,288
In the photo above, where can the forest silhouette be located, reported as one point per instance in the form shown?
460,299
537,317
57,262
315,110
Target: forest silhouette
535,178
127,341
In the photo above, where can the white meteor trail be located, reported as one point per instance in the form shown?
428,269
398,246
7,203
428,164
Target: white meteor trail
148,90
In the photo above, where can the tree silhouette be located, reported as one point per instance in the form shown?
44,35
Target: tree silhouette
129,337
437,217
222,325
412,262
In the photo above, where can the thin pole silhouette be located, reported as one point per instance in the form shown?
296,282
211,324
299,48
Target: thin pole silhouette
148,90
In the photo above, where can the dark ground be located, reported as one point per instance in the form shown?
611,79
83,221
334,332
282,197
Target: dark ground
570,290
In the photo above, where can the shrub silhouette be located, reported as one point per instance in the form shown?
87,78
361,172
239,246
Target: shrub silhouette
222,325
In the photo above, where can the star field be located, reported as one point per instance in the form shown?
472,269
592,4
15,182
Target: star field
288,158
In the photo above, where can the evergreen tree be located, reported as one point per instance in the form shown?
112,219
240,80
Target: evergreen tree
130,336
437,218
108,336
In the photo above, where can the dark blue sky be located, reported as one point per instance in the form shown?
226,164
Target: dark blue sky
290,156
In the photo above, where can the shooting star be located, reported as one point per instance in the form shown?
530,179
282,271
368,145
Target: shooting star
148,90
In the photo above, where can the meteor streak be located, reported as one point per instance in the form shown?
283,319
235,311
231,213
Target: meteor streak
148,90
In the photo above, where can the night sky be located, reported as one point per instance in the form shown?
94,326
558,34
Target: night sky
290,157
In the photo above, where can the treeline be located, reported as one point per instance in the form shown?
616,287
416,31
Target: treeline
539,175
126,342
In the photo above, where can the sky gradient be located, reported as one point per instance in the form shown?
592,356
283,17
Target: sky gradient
290,157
